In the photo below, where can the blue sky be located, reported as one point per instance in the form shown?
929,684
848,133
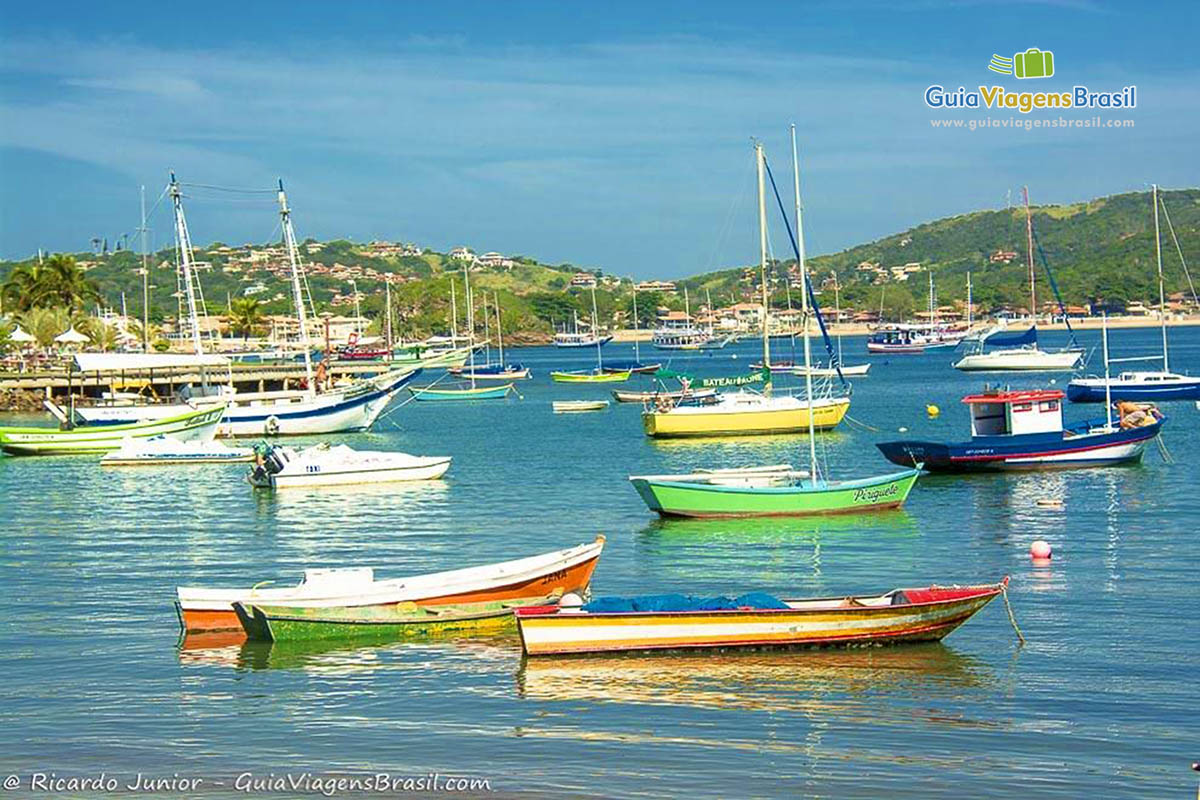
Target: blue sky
612,135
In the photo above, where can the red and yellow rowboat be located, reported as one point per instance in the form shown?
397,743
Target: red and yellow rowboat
527,579
901,615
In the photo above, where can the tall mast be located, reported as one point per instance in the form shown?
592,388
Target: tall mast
637,353
808,388
837,311
387,290
708,302
930,303
596,331
145,278
453,316
499,332
470,322
1162,299
185,263
289,238
1029,243
970,308
762,247
1107,381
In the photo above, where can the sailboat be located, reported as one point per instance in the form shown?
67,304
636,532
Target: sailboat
499,370
468,389
745,411
1141,385
574,338
1020,352
637,365
599,374
306,411
776,490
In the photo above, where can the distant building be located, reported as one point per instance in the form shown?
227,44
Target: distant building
462,254
656,286
583,280
1002,257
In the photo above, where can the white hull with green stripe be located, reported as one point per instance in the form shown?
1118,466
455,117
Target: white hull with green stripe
198,425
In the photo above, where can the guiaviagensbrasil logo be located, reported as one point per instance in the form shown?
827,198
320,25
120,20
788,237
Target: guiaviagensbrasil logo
1033,63
1030,63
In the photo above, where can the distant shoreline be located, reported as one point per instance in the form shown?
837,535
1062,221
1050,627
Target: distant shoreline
1084,323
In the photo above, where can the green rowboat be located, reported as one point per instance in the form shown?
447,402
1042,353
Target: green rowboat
303,623
594,376
198,425
741,493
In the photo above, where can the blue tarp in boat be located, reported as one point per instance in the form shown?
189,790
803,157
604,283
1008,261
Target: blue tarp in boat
682,602
1013,339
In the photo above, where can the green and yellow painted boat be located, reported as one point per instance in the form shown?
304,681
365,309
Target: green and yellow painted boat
198,425
301,623
590,376
769,492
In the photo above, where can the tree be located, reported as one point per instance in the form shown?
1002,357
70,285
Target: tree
245,316
58,281
103,337
45,323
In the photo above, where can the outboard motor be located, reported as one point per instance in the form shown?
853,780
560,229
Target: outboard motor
268,461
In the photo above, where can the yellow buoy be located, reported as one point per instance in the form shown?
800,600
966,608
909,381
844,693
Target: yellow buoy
932,410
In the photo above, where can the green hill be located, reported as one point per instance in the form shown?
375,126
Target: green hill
1100,249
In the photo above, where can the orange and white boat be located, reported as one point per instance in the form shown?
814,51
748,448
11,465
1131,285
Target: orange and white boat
665,622
534,578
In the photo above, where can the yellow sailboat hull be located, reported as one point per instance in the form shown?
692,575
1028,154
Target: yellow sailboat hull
665,425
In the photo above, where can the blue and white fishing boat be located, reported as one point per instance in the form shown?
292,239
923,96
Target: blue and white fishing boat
1014,430
1148,385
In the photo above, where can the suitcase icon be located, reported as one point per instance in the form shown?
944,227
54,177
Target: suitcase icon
1033,63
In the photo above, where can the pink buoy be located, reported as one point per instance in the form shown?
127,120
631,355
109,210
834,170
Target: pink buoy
1040,550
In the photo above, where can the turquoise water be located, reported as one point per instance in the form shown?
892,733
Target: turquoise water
1101,701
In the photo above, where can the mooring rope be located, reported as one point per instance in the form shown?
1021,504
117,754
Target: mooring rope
1011,617
1162,449
862,425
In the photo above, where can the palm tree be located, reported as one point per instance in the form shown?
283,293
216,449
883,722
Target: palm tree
45,323
245,316
103,336
59,281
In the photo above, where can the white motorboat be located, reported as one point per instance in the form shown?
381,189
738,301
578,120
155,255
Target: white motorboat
340,465
576,406
165,450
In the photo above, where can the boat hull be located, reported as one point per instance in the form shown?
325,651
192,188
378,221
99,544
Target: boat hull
827,414
591,377
1095,450
551,632
192,426
288,624
351,475
433,395
1087,390
207,610
676,499
1020,360
650,397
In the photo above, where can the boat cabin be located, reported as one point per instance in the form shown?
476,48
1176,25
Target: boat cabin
1009,413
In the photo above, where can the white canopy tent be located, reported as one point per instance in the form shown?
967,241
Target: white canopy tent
22,337
71,336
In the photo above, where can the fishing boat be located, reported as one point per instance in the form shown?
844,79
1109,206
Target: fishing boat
165,450
576,406
669,622
1021,430
493,371
196,424
746,412
1020,352
340,465
558,572
1152,385
699,395
635,367
817,371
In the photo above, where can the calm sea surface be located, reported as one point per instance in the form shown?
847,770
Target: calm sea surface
1102,702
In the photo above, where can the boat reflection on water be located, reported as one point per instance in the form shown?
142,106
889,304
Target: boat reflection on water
847,683
345,502
768,530
342,657
765,448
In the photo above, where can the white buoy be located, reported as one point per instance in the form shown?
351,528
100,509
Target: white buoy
902,429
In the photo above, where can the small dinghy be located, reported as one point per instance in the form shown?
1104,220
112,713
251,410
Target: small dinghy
165,450
577,406
322,465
